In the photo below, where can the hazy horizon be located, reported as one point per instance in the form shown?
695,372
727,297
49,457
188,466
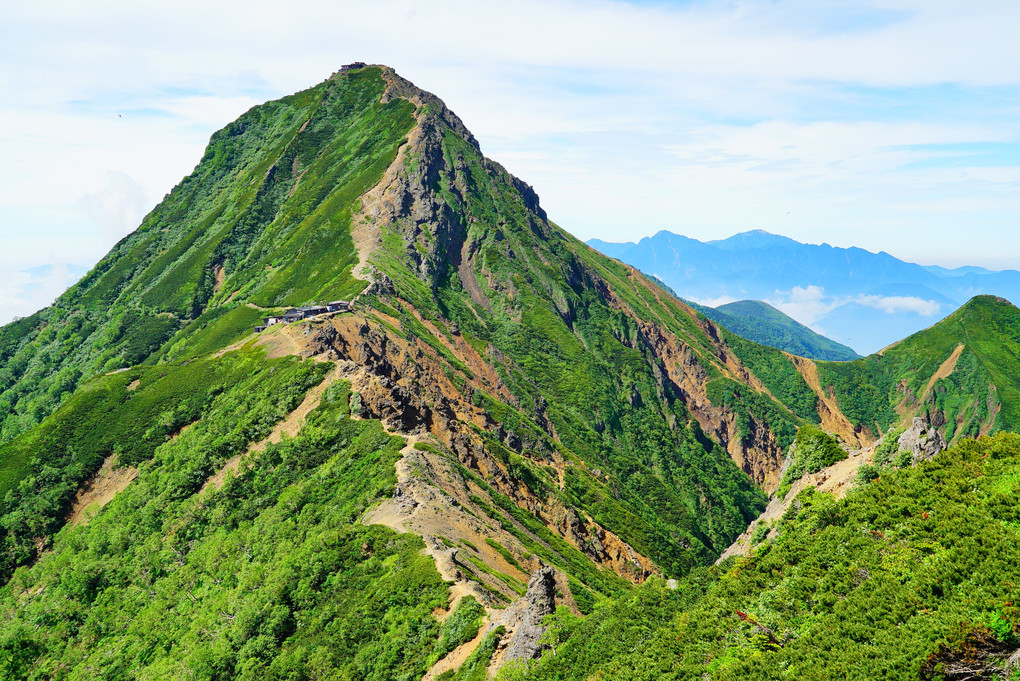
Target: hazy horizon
889,126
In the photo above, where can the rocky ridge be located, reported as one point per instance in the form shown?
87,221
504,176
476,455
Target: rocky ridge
921,440
434,236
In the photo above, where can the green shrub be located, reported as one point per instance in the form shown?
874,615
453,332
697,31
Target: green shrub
813,450
868,472
761,531
887,449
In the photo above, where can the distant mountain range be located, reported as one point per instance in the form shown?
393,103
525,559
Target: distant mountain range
862,299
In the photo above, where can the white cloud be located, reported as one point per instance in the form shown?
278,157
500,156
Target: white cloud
806,304
705,118
901,304
809,304
714,302
25,291
118,207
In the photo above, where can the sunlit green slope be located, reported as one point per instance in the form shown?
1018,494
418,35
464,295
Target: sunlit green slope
910,577
762,323
587,454
586,419
964,373
263,219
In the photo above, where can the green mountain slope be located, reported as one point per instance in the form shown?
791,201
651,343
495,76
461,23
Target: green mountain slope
964,373
567,411
263,219
345,496
762,323
911,577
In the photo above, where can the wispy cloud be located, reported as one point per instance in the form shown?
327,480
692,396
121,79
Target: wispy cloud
22,292
118,206
806,304
714,302
820,119
901,304
810,304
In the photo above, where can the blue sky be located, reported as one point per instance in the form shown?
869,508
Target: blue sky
886,124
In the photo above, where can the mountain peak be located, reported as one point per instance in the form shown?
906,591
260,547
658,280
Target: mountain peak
501,402
434,107
988,301
755,238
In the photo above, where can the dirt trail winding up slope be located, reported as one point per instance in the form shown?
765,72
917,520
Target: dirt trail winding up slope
458,656
837,480
288,426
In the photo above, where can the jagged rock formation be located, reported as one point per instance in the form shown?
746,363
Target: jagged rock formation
523,620
384,370
922,440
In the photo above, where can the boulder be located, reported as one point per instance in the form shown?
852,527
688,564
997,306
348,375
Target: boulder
923,441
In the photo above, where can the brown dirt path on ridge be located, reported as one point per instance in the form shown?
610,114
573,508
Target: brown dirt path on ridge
833,419
289,426
459,655
837,480
378,204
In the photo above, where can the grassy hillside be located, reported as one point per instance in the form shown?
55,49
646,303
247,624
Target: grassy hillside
263,219
760,322
503,396
910,574
577,428
267,577
979,394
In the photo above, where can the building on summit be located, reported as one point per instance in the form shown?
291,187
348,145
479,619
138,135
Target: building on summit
296,314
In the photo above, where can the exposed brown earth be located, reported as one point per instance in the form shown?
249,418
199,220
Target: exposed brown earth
277,342
833,419
837,479
760,456
458,656
433,502
100,489
944,370
219,274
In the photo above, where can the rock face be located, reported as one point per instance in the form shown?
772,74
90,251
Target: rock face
402,383
523,619
1012,665
435,236
923,441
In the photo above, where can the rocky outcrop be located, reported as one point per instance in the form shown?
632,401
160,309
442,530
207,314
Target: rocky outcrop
406,384
423,199
600,545
1012,666
523,620
682,372
922,440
